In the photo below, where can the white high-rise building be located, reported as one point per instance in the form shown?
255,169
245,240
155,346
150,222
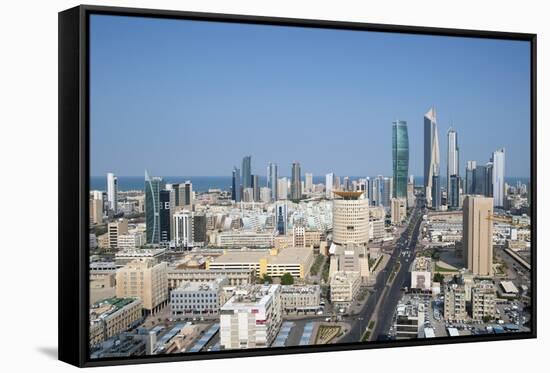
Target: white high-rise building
431,153
452,158
183,234
112,191
498,160
329,185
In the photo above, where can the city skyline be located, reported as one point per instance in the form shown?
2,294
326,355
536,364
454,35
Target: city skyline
340,95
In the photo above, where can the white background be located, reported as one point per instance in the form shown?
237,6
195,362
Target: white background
28,183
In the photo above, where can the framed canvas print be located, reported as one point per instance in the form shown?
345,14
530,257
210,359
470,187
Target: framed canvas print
235,186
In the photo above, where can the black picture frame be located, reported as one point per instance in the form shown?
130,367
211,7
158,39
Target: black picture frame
74,186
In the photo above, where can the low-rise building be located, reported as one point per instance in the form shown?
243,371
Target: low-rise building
197,298
344,287
131,240
455,303
421,273
177,277
398,210
112,316
238,239
251,318
409,320
126,256
483,301
300,299
274,263
146,280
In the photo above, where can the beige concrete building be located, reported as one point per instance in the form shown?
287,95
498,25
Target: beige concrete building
483,300
477,239
350,218
144,279
344,287
398,210
455,303
114,230
96,211
421,273
300,298
302,237
112,316
251,318
275,263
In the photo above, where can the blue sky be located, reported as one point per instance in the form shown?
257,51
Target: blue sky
192,98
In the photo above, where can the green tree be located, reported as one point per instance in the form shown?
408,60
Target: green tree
287,279
438,277
487,318
265,278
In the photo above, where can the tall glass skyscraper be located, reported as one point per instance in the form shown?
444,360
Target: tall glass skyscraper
431,153
272,177
469,188
296,182
153,186
236,185
452,157
400,152
247,172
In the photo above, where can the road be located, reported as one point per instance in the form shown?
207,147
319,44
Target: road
386,300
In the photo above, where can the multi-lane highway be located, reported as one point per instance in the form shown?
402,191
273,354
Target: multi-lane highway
384,296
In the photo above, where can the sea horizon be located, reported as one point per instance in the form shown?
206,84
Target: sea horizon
204,183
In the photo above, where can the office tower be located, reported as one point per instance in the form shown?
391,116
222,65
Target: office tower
144,279
282,186
480,180
431,153
387,191
369,190
183,226
272,179
115,229
350,218
489,178
436,192
256,187
164,217
188,194
400,157
153,186
453,192
398,210
411,198
199,229
470,186
346,184
248,195
96,208
329,185
112,192
247,172
281,217
498,160
236,185
452,157
309,183
296,182
477,235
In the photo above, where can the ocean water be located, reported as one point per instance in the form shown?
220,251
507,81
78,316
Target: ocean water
203,183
